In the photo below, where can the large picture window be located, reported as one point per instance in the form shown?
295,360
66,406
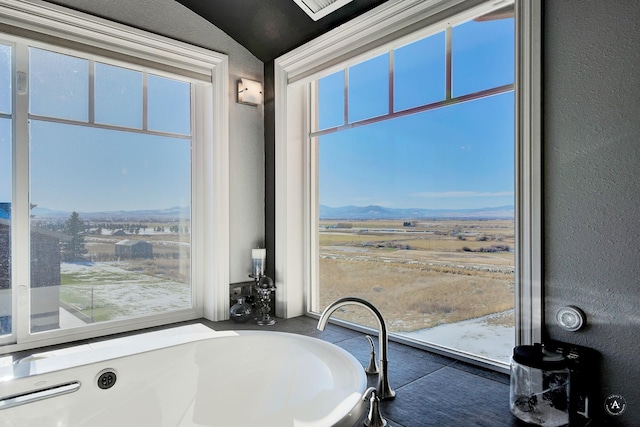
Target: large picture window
102,160
110,217
419,187
416,210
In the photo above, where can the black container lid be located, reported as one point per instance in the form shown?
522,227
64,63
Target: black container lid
536,356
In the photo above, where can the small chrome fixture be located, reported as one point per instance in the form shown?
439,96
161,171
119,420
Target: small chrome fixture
40,394
374,418
249,92
384,390
372,368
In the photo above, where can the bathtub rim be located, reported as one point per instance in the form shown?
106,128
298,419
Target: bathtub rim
102,352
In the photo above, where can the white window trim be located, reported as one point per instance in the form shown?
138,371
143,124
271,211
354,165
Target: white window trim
208,72
529,282
109,37
366,36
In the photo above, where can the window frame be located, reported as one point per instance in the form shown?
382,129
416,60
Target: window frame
75,32
389,26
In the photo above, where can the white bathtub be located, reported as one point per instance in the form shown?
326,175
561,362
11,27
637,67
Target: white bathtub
226,379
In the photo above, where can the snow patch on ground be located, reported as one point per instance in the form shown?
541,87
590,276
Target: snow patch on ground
121,293
134,294
475,336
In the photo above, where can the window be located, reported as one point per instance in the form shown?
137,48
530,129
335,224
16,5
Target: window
410,196
415,211
5,191
109,157
110,217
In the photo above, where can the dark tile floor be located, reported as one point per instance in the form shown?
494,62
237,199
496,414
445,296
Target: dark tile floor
431,390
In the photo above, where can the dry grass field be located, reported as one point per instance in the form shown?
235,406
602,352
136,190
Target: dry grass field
171,254
419,274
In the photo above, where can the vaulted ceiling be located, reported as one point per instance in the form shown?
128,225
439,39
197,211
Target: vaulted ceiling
270,28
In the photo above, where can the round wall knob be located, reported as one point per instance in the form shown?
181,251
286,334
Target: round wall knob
570,318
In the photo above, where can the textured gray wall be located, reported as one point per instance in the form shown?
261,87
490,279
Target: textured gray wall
171,19
592,184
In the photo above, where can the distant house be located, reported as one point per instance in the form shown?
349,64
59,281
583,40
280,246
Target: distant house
134,249
119,233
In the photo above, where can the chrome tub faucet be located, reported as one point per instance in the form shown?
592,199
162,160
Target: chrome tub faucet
384,390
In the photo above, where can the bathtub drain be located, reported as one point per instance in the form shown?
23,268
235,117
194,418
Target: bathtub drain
106,379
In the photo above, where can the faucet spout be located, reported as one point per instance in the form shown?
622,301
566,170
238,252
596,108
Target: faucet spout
384,390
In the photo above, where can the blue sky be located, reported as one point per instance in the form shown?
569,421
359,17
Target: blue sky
90,169
459,156
94,170
5,124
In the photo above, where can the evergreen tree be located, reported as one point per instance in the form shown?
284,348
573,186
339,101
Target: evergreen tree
74,249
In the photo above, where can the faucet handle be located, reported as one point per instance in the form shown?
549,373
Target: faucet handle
374,417
372,368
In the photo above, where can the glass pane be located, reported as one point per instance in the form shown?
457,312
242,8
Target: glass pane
483,54
419,76
5,79
169,105
5,226
110,239
417,216
118,96
331,101
369,89
58,85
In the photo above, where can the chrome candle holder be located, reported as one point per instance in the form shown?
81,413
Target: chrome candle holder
264,287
